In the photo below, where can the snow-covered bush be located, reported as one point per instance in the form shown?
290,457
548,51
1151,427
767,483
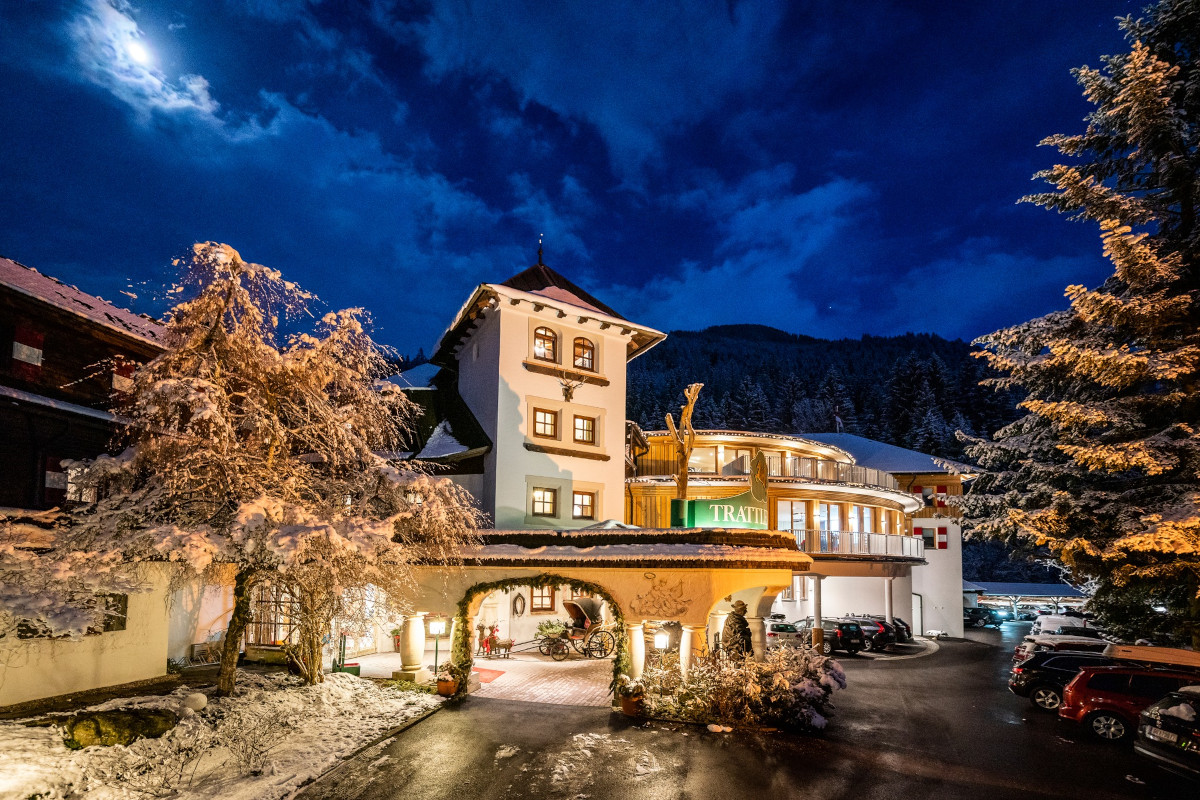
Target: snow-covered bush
250,735
791,688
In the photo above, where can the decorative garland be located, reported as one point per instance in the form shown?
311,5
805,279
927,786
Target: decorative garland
462,652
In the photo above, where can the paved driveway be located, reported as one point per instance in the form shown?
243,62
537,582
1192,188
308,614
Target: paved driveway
944,727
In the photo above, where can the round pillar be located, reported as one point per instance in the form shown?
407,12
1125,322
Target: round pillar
687,647
758,637
887,600
818,632
637,649
412,641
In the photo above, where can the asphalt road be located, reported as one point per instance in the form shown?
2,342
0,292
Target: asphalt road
943,726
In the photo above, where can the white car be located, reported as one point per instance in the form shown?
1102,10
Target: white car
1051,622
1033,643
784,634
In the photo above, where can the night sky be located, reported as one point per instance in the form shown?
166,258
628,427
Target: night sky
829,168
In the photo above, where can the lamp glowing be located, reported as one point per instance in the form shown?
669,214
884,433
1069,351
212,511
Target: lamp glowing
662,640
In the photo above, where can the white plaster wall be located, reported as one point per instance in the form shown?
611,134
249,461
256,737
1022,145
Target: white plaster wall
939,584
512,463
478,385
497,608
847,595
197,611
31,669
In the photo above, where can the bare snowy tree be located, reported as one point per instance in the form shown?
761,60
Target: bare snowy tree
271,456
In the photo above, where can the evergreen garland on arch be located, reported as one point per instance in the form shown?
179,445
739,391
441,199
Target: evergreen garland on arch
462,652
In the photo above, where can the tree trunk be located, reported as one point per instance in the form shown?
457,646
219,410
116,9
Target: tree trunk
233,636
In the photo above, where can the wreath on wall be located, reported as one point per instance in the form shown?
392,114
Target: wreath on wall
518,604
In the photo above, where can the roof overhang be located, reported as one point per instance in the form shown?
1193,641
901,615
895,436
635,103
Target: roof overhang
488,296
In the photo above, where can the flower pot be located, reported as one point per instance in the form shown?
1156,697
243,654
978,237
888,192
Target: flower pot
447,688
632,706
351,669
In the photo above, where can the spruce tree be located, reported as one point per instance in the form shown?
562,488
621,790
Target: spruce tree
1104,468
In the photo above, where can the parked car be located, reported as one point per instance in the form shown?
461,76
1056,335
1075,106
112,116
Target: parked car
1074,630
1042,642
1043,676
978,617
904,631
1109,700
1052,622
1027,615
785,634
877,634
846,635
1169,732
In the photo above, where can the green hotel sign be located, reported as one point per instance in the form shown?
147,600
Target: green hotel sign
745,510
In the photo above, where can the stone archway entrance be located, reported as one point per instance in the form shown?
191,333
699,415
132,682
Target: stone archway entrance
528,674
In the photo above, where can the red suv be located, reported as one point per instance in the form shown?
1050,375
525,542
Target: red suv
1109,699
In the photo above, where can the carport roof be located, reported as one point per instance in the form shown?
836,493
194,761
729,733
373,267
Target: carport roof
1027,589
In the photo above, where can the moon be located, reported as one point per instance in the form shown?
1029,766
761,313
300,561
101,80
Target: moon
138,52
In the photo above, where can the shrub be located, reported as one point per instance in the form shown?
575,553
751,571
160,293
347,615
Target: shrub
551,627
791,689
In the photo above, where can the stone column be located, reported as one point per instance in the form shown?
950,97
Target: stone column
687,646
818,633
758,637
412,650
637,648
887,600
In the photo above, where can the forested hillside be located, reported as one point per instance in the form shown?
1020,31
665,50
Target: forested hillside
913,390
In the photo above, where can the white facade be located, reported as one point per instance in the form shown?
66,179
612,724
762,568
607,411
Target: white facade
937,588
556,420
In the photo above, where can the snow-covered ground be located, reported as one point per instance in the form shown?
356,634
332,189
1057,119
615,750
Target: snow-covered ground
303,730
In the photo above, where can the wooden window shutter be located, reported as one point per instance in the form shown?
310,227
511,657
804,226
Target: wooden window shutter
943,536
27,352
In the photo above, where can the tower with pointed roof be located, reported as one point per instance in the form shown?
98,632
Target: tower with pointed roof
541,364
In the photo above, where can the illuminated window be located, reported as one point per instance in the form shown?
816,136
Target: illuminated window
855,512
703,459
541,598
792,515
545,502
583,505
545,345
545,423
585,430
585,355
868,523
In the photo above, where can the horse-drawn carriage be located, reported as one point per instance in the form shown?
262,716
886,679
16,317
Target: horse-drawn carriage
586,633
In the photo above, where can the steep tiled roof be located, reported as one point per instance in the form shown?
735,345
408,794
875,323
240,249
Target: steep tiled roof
540,279
30,282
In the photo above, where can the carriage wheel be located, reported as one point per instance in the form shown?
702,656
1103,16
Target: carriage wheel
559,650
602,645
544,645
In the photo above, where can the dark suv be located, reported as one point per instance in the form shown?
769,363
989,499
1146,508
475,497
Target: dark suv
979,617
1169,732
877,634
840,634
1044,675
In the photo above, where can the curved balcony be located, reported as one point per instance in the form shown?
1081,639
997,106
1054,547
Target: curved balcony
816,469
856,543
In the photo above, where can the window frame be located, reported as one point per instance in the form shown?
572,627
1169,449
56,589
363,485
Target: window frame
544,335
534,501
553,416
587,350
575,429
544,605
575,495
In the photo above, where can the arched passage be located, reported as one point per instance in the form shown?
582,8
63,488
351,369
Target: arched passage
462,651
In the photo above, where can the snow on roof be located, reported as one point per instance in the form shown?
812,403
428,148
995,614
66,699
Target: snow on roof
1027,589
60,405
972,587
638,554
30,282
441,443
418,377
887,457
540,279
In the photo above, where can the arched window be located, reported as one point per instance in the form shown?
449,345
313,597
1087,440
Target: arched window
545,345
585,355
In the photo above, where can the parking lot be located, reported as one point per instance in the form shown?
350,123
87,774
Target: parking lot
942,725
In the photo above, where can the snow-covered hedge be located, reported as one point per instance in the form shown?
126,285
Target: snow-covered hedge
791,689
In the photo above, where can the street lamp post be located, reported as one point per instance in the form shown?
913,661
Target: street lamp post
437,627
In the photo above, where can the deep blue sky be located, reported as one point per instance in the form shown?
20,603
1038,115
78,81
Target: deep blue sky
830,168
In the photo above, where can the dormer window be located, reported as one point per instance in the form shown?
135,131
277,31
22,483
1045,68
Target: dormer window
585,354
545,345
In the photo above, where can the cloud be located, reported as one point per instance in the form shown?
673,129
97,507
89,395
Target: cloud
773,247
111,52
638,73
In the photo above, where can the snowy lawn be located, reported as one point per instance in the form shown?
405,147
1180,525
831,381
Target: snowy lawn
264,742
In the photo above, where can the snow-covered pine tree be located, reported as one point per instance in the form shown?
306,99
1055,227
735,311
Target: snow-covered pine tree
833,392
267,458
1105,467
